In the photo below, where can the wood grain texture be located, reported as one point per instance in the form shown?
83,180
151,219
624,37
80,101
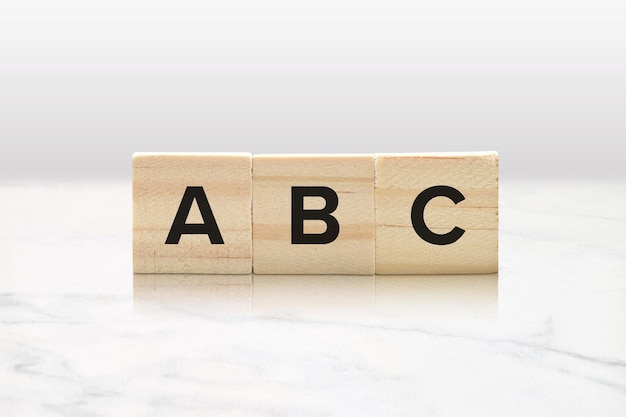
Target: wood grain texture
350,176
159,183
399,180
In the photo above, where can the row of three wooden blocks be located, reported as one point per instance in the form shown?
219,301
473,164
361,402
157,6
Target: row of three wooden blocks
234,213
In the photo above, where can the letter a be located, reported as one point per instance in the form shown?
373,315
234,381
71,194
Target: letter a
180,227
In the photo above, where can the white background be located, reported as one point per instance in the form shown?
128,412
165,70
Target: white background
84,84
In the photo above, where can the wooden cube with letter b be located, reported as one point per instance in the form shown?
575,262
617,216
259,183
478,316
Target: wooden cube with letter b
192,213
313,214
437,213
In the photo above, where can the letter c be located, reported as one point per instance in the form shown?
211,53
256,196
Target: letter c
417,215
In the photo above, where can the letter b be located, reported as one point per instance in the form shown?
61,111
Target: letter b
299,214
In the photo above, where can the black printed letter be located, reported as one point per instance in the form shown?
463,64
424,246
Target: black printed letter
417,215
299,214
209,227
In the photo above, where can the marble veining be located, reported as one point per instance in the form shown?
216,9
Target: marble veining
82,336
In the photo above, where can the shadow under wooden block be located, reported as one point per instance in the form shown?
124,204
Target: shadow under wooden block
456,213
336,188
191,190
195,293
313,294
419,296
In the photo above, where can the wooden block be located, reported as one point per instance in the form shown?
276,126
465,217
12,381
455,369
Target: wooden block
457,238
282,183
191,213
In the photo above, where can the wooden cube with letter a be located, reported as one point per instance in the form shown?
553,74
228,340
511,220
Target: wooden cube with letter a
313,214
191,213
437,213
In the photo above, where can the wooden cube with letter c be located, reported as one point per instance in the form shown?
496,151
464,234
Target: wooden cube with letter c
313,214
437,213
192,213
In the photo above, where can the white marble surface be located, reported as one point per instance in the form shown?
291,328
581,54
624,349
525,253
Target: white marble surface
82,337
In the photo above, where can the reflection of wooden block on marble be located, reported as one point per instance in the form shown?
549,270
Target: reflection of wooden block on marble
451,228
191,213
314,294
313,214
463,296
198,293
